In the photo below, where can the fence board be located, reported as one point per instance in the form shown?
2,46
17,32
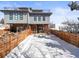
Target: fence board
11,40
66,36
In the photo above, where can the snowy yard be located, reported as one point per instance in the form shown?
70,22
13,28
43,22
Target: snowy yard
43,46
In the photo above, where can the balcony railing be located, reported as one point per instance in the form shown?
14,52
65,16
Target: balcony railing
30,10
46,11
10,8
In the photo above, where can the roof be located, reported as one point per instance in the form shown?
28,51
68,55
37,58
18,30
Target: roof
30,10
14,10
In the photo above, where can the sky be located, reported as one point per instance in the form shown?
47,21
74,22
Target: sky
60,10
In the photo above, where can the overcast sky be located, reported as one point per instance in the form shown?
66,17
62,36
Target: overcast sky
60,9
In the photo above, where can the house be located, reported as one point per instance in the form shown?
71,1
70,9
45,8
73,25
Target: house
22,17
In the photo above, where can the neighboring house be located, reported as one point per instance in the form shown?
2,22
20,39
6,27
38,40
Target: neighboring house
20,18
2,21
52,25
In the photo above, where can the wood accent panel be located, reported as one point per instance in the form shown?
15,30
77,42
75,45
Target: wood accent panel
12,41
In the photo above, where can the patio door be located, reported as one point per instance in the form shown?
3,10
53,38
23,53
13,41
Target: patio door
39,28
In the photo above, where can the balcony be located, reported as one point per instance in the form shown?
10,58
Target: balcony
27,9
10,8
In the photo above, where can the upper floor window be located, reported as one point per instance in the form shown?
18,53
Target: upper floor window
35,18
16,16
43,18
21,16
39,18
11,16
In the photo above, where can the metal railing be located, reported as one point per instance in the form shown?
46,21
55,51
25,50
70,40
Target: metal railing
17,8
46,10
10,8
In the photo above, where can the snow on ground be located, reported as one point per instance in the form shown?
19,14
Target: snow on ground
2,27
43,46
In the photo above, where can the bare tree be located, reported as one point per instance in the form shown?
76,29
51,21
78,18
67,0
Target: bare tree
70,26
74,6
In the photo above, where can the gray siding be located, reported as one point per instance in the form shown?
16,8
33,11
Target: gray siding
26,19
31,20
7,20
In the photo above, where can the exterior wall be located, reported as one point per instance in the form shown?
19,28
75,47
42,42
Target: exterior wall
31,20
18,27
7,20
26,19
6,17
39,28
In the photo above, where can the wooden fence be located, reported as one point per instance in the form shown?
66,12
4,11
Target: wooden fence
9,40
68,37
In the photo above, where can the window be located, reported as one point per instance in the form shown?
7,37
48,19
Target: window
39,18
21,16
35,18
16,16
43,18
11,16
